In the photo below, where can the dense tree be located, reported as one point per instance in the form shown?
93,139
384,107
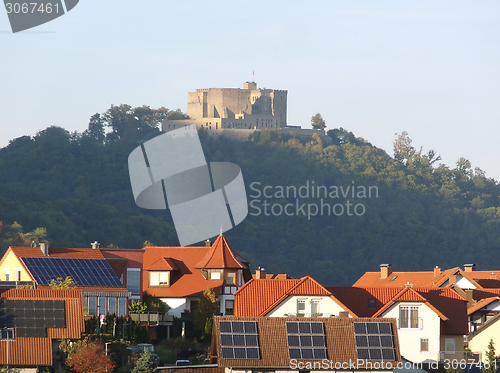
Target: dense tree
317,122
87,356
203,314
145,364
60,283
490,365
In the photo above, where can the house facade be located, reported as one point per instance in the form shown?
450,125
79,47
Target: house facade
179,275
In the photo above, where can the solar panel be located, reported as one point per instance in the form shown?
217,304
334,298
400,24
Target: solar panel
306,340
225,327
85,272
30,317
377,337
363,353
359,328
385,328
239,340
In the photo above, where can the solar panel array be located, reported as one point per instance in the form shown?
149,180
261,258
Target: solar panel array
85,272
31,318
374,341
239,339
306,340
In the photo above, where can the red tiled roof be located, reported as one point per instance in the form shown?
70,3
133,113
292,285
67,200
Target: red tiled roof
259,297
40,349
356,299
187,281
482,303
163,264
36,252
117,265
220,255
191,261
277,276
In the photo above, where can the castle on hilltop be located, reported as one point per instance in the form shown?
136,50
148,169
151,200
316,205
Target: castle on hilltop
236,112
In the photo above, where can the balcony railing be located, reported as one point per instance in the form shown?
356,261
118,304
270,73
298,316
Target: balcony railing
416,323
308,315
152,318
461,357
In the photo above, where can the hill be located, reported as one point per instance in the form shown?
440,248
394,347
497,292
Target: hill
332,212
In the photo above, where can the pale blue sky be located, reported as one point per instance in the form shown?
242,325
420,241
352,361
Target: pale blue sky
373,67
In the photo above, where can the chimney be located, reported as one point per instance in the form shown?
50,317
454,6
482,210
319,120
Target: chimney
408,285
45,248
437,271
260,274
343,314
208,243
468,297
469,267
385,270
493,276
453,280
95,245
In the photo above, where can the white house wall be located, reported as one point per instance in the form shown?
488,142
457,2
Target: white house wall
177,305
289,306
463,283
409,339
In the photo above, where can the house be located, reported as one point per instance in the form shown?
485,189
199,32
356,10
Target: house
33,322
179,275
287,297
102,290
284,344
467,278
127,265
483,314
431,322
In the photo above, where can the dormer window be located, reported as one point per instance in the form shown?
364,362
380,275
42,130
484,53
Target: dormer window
159,278
214,275
231,278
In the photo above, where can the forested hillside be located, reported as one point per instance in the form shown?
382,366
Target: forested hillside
420,214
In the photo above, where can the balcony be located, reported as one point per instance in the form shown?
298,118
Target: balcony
155,318
309,315
461,357
416,323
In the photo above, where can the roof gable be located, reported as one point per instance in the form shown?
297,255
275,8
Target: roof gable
163,264
220,255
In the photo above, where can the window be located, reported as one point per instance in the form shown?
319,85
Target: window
230,278
301,307
215,275
408,317
371,303
449,346
7,274
92,306
112,305
101,310
229,307
7,333
424,344
122,306
160,278
134,280
315,307
17,274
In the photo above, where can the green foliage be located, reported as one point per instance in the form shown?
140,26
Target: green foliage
145,364
137,307
317,122
203,314
77,186
154,304
59,283
490,365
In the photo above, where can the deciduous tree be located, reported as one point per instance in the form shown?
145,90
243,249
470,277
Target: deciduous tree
317,122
